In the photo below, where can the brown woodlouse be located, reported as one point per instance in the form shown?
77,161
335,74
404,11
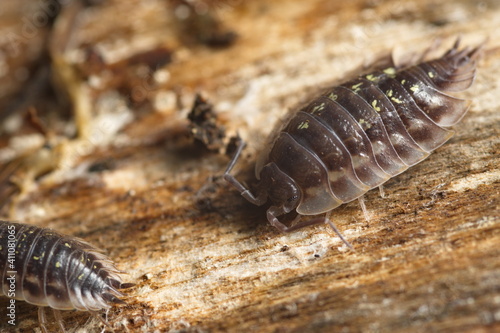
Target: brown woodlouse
358,135
45,268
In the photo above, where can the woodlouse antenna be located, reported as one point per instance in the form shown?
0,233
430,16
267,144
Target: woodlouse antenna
259,201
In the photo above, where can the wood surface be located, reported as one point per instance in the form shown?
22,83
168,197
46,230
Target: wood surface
130,179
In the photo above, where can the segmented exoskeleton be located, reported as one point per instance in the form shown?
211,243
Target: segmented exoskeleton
358,135
45,268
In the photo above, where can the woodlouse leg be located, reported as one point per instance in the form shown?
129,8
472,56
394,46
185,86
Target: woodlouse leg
57,315
361,200
337,231
97,315
245,193
319,220
42,319
381,191
106,320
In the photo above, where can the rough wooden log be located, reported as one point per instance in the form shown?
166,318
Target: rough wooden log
204,260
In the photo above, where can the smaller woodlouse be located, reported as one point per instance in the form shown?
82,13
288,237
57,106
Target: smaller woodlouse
358,135
45,268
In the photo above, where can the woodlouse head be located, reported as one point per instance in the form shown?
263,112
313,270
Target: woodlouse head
279,189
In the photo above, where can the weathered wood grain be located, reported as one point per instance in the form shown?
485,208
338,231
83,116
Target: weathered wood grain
205,260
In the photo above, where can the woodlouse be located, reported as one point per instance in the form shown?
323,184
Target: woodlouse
358,135
45,268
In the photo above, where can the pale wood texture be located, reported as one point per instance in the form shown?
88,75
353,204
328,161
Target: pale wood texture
203,259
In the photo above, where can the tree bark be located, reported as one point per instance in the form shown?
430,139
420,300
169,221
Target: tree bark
205,260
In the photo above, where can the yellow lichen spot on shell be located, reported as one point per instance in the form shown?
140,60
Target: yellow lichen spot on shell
356,86
364,124
318,107
395,100
303,125
391,71
333,97
371,77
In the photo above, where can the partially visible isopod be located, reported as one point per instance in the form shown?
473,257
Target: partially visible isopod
357,136
45,268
